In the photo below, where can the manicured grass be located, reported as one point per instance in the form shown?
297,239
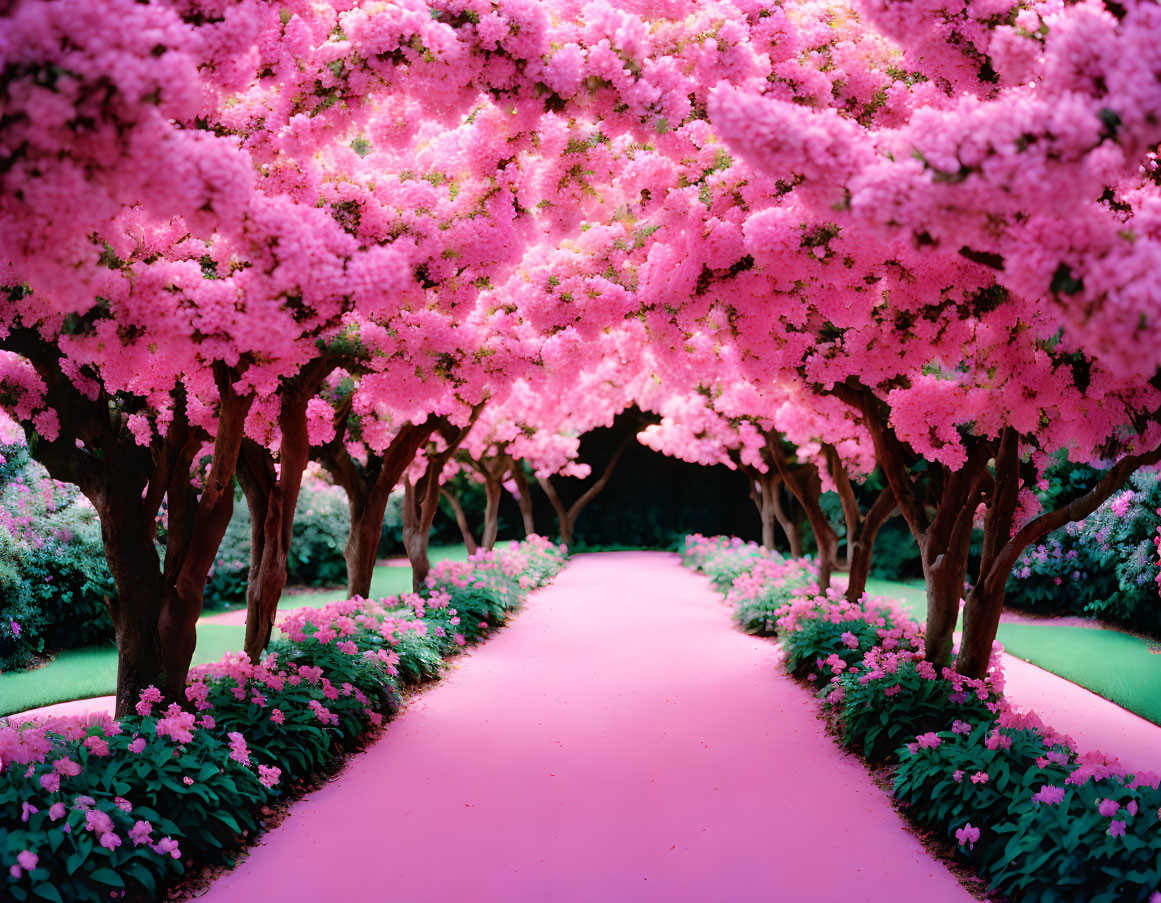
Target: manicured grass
92,671
1114,665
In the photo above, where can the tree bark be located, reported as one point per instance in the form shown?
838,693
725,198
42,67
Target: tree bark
788,523
421,500
523,496
762,490
1001,549
566,516
368,489
457,508
492,490
944,538
863,546
157,604
271,496
805,484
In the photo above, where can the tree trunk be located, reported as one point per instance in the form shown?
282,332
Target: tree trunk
863,546
416,530
1001,548
805,484
523,497
272,496
461,516
421,501
567,516
368,489
788,523
136,609
762,489
492,490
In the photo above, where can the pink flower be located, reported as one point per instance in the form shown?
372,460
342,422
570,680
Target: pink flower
850,640
96,820
1117,829
140,832
56,811
167,845
27,859
1108,808
137,745
346,646
67,766
980,777
460,641
123,804
177,724
16,871
50,781
930,740
27,811
957,775
1049,794
960,727
892,690
996,740
110,841
238,750
967,834
311,674
187,780
207,722
277,717
269,776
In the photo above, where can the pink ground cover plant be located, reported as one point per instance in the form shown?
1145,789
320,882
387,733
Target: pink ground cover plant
1039,820
94,808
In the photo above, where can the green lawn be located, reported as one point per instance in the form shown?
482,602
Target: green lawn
1114,665
92,671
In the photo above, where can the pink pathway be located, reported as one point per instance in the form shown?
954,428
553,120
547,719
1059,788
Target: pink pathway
619,742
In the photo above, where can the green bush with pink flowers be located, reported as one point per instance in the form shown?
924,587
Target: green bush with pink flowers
1038,820
93,808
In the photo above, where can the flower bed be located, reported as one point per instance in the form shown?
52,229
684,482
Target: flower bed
94,808
1035,818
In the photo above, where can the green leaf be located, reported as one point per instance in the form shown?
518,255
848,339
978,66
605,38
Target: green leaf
47,891
108,876
75,861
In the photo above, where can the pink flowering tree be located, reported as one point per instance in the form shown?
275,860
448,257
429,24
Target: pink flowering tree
915,259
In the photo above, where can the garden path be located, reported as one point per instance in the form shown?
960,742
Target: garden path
620,741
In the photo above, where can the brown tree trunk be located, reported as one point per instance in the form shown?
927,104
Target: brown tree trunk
492,490
523,497
566,517
271,497
944,538
762,490
420,501
136,608
196,524
1001,548
461,516
788,523
805,484
863,546
368,489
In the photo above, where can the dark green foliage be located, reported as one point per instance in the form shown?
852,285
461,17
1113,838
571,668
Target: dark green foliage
1104,566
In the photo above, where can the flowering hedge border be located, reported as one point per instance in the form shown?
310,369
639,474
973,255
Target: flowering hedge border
1037,819
93,808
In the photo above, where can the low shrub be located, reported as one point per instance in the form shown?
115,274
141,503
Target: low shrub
821,631
1104,566
771,583
92,807
54,583
981,775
